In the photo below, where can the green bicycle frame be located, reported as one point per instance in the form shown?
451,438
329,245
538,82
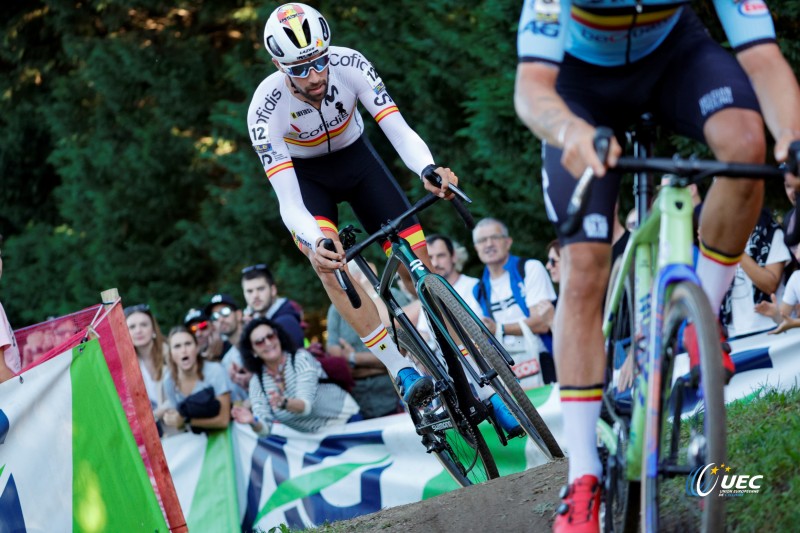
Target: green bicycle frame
402,253
663,239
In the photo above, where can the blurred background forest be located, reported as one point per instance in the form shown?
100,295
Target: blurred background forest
125,161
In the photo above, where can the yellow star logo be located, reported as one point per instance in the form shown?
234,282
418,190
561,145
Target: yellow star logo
722,465
728,469
714,470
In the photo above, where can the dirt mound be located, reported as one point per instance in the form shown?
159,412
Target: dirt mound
519,502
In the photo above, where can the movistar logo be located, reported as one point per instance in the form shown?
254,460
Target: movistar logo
10,508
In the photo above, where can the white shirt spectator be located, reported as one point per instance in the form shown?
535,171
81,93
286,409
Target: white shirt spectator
744,318
9,344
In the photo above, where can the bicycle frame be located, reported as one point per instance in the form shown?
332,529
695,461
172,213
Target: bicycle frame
665,235
403,254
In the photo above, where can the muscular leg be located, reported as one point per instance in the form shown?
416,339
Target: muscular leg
365,320
731,208
578,343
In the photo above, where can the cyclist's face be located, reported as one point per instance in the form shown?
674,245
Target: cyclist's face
314,86
490,243
441,260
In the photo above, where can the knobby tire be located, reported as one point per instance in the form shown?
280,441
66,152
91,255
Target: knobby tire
505,384
665,499
462,452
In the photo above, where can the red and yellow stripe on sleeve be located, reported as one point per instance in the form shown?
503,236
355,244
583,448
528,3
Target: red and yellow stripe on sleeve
383,113
326,224
277,168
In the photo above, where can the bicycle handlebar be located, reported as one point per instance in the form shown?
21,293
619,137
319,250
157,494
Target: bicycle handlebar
344,280
429,173
577,203
426,201
690,168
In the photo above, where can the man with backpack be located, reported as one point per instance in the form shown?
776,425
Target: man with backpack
514,293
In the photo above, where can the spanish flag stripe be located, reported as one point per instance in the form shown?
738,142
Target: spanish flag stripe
376,339
320,138
386,112
326,224
274,170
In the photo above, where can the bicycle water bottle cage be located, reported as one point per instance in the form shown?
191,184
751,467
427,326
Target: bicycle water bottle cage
347,236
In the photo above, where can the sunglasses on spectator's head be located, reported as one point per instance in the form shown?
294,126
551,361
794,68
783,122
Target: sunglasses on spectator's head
302,70
269,336
225,312
198,326
252,268
140,308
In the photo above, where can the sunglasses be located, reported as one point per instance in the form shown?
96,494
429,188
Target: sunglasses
140,308
252,268
304,69
552,261
200,326
269,336
225,312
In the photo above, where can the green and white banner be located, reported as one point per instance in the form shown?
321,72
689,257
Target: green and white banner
234,479
68,459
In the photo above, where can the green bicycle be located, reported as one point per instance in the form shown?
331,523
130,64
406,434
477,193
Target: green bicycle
468,356
659,437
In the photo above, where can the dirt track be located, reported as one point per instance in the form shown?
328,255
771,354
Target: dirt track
516,503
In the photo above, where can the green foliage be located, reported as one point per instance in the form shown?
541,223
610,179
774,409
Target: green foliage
124,160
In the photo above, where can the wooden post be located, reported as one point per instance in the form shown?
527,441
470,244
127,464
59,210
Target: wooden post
108,297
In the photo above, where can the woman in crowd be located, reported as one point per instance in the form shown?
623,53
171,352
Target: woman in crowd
151,348
286,386
198,390
553,263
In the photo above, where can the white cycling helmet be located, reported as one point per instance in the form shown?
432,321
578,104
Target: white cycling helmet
295,32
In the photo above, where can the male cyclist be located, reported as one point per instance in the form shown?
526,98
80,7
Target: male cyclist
587,63
305,128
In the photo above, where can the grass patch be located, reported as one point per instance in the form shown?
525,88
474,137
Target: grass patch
764,439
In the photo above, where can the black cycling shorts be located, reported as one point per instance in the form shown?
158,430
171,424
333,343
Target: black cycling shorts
683,82
355,174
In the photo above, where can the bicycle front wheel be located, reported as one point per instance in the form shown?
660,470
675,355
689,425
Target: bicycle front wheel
686,435
486,351
447,433
620,507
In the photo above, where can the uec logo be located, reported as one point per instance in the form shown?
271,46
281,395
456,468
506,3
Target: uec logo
704,479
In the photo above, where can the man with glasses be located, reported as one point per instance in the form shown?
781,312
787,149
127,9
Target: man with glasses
209,342
226,318
261,295
513,293
305,127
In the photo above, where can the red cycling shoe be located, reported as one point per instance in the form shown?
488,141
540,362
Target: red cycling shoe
580,507
690,344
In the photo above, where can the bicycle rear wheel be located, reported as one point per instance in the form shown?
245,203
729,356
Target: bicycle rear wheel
620,507
486,352
457,443
688,431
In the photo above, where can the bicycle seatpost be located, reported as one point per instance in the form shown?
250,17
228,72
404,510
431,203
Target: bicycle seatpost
580,196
